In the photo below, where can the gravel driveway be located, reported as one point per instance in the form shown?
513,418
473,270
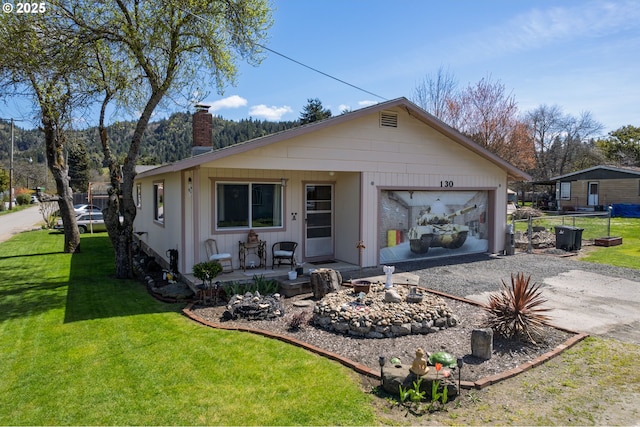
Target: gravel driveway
585,297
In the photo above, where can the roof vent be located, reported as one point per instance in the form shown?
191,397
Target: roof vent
388,119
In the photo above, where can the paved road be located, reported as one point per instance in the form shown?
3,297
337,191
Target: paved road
16,222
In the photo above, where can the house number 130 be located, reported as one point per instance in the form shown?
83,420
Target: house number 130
446,183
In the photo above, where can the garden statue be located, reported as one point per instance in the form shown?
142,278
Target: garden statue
388,269
419,365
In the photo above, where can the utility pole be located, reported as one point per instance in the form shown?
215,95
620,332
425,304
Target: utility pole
11,171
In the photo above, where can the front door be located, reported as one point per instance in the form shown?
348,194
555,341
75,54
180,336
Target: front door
593,194
318,222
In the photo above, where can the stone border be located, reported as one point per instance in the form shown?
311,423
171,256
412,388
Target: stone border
365,370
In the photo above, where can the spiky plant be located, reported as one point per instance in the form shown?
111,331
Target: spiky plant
516,312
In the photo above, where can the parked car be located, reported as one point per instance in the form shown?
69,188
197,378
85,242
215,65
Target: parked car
83,208
86,222
34,199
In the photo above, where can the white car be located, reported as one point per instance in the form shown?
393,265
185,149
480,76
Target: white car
84,208
86,222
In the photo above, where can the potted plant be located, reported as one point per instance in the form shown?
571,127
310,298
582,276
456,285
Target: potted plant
207,271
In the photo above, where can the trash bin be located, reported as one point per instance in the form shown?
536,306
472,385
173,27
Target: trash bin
565,237
509,241
577,243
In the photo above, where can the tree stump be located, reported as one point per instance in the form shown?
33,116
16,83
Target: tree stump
325,281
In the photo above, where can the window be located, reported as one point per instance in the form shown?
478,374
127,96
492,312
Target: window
158,202
248,205
565,191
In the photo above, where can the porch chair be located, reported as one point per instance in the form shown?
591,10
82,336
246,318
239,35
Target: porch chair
284,253
225,259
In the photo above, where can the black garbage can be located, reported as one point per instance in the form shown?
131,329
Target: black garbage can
577,243
565,237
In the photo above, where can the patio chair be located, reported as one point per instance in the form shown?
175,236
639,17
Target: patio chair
225,259
284,253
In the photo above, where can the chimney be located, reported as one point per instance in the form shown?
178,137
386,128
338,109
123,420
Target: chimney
202,124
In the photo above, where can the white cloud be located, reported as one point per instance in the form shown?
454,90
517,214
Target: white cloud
543,27
344,107
233,101
269,113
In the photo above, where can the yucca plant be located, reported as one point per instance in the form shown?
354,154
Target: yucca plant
516,311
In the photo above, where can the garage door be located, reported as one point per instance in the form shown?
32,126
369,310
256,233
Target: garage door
430,224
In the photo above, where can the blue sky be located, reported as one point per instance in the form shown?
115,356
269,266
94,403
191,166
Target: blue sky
580,55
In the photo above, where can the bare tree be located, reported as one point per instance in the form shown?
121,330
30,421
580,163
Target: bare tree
562,142
435,92
489,116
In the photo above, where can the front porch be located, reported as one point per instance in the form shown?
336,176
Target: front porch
287,287
301,284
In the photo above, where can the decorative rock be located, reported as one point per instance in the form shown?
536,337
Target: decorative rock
482,343
254,307
325,281
392,296
374,317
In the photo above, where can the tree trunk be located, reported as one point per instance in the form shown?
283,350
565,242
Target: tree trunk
121,200
54,148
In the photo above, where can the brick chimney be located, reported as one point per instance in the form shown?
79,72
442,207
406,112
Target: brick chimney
202,124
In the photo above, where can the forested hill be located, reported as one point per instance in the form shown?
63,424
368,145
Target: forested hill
164,141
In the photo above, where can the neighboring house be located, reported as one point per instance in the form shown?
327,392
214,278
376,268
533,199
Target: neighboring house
371,175
597,187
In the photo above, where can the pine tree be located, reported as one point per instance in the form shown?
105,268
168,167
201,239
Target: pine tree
313,112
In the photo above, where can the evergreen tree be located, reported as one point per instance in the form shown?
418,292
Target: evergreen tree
314,111
78,168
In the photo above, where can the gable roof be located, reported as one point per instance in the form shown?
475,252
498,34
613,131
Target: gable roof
600,172
412,109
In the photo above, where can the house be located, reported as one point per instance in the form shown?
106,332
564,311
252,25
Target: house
596,187
391,176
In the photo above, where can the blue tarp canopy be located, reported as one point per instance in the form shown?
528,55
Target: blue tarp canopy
625,210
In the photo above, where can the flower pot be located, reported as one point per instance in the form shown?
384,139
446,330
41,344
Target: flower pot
361,286
293,275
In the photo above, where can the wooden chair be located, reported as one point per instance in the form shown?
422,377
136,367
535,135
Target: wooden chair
284,253
225,259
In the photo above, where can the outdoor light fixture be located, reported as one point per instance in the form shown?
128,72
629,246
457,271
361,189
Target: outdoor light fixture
381,362
460,363
283,182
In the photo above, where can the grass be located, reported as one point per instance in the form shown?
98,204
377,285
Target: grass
625,255
81,348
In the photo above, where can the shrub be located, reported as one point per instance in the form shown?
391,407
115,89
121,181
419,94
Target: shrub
206,271
297,321
23,199
515,312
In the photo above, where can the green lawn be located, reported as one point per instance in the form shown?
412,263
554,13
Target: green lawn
78,347
625,255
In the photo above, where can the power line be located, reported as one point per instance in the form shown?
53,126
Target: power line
297,62
320,72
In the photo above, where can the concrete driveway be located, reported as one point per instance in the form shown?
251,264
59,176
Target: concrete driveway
16,222
597,304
